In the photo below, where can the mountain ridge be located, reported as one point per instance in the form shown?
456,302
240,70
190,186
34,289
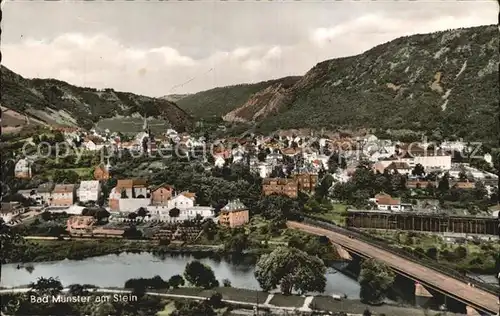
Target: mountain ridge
56,102
443,84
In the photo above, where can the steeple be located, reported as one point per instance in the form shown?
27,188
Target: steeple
145,126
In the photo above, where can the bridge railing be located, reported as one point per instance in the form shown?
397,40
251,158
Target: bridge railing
383,244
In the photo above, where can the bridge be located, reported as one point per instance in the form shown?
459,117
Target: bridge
457,287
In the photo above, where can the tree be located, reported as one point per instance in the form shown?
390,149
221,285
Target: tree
35,139
132,233
460,252
237,243
480,191
142,212
201,275
215,300
46,216
10,241
101,214
176,280
444,184
375,279
432,253
46,286
291,269
418,170
78,290
193,308
132,216
226,283
175,212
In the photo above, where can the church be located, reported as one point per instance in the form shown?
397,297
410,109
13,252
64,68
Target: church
146,139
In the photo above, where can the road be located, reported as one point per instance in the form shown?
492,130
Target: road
469,295
189,297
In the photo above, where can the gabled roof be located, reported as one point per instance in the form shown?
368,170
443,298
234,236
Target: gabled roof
64,188
385,199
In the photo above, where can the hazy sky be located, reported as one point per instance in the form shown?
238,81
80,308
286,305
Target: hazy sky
157,48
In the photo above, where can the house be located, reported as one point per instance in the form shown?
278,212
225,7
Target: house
399,167
63,195
9,211
431,159
93,143
44,190
161,195
185,204
80,224
234,214
31,194
22,169
463,185
182,200
101,172
129,195
108,232
306,181
420,184
385,202
282,186
89,191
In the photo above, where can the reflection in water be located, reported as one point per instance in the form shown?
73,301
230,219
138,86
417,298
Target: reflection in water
113,270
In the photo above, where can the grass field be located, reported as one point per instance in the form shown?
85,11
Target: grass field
335,214
287,300
131,125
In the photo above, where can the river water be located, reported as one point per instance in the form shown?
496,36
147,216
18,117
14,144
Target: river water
114,270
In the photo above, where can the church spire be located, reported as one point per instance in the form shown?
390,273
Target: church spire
145,126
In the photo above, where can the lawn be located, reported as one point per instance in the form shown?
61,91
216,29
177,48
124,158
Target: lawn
130,125
336,214
228,293
287,300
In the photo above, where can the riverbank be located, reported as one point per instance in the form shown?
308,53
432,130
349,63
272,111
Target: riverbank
41,250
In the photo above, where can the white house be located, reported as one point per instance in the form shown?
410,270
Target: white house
385,202
93,145
89,191
219,161
22,169
181,201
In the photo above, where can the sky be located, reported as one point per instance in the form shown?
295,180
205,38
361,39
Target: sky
157,48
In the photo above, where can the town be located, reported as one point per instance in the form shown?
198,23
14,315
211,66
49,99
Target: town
144,188
235,160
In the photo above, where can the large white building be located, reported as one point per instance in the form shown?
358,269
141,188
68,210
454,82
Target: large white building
22,169
185,203
89,191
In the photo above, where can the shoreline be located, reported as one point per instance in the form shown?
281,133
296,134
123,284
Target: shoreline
58,250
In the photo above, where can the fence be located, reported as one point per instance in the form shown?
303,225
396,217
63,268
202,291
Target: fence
382,244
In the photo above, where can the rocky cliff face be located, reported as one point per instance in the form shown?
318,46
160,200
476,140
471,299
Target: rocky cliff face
59,103
263,103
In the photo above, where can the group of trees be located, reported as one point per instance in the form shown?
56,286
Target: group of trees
375,279
291,269
365,183
141,285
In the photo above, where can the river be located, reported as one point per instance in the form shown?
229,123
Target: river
114,270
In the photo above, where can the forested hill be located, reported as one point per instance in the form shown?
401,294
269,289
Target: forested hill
444,84
57,102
